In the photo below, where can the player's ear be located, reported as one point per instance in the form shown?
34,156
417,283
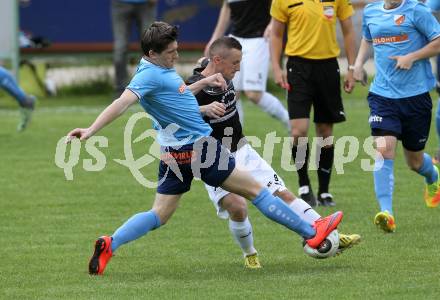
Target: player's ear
152,54
216,59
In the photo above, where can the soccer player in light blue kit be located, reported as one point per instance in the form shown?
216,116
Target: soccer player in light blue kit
435,8
26,102
404,34
187,149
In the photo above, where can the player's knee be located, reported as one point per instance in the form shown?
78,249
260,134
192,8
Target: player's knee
253,96
236,207
298,132
386,152
324,130
238,210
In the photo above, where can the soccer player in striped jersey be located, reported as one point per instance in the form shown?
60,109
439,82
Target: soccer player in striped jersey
187,149
218,108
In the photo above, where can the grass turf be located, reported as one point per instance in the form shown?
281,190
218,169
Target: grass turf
48,225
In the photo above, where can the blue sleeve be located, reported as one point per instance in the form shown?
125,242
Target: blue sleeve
144,82
433,4
425,22
365,31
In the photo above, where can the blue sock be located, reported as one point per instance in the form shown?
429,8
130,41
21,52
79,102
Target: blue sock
275,209
437,120
427,170
135,227
10,85
384,185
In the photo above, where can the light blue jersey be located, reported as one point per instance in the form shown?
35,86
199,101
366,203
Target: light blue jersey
395,32
164,95
434,5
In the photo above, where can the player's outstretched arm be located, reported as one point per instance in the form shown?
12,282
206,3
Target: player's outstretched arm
215,80
276,47
359,73
113,111
406,61
223,22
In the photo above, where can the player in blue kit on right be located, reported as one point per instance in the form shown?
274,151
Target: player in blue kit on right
404,34
434,5
187,149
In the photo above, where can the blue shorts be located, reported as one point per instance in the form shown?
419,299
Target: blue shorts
408,119
206,159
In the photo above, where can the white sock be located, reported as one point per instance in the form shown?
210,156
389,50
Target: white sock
243,235
304,210
240,111
271,105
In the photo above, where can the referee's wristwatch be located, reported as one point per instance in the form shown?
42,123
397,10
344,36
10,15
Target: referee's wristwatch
350,68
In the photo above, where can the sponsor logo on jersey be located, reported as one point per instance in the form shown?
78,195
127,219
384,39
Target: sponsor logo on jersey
399,19
329,12
182,158
182,88
390,39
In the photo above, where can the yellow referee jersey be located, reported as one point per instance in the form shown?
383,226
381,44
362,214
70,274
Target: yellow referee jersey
311,25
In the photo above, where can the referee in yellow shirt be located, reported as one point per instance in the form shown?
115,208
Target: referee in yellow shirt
313,79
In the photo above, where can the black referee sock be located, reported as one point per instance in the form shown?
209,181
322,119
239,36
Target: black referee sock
298,152
325,168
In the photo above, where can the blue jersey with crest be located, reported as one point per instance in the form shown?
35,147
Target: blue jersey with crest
164,95
397,32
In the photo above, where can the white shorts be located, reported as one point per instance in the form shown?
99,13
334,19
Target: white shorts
246,158
254,65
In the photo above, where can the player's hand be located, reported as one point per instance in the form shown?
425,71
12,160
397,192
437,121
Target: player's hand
217,81
349,82
404,62
80,133
360,75
280,78
215,110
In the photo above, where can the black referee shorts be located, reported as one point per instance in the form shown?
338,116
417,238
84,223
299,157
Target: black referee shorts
315,82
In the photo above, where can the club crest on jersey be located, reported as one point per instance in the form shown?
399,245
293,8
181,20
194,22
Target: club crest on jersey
329,12
399,19
182,88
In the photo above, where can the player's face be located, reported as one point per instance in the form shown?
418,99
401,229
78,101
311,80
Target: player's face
230,63
168,57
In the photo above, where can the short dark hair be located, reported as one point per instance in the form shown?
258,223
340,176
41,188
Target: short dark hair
158,36
225,42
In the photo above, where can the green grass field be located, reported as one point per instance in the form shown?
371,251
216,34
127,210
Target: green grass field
48,224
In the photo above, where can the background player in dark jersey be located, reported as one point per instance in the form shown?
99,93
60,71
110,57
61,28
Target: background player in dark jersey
219,110
249,22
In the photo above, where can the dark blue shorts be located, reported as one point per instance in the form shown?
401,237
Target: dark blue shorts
408,119
206,159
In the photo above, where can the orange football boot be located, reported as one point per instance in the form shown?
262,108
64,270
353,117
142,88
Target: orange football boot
323,228
101,256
